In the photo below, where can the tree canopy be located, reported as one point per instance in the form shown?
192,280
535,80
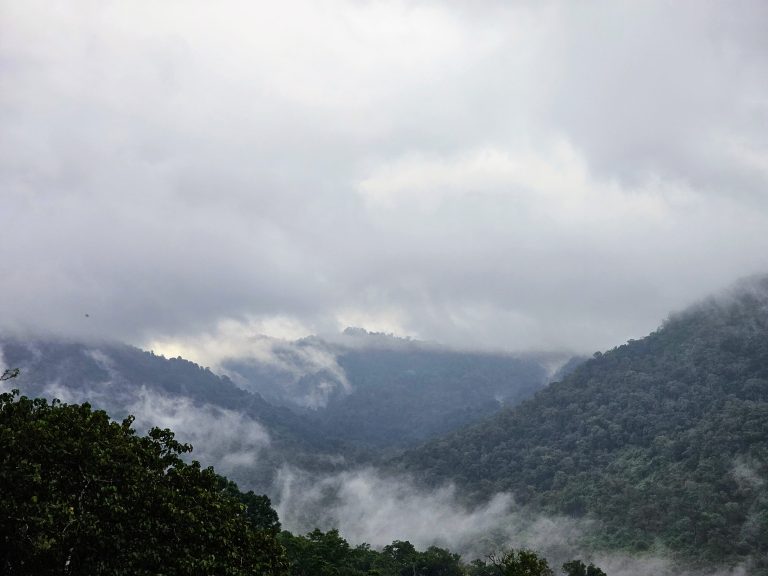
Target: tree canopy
664,439
321,553
83,494
86,495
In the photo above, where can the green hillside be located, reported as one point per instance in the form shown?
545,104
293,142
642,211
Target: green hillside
83,494
664,439
114,377
385,393
403,397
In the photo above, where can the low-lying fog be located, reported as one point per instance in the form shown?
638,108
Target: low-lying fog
369,505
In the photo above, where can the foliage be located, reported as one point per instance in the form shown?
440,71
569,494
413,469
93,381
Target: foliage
115,377
328,554
319,554
399,392
578,568
664,439
511,563
521,563
85,495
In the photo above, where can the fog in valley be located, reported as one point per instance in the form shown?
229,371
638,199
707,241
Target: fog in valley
368,504
314,238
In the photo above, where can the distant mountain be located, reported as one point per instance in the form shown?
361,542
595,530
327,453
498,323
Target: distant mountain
330,404
380,391
238,431
664,440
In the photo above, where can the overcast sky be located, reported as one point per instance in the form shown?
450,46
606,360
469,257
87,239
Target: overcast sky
510,175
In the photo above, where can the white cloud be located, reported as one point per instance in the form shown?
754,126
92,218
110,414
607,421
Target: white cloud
230,338
557,184
368,506
221,438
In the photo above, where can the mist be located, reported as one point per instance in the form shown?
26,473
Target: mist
374,507
303,373
230,441
369,505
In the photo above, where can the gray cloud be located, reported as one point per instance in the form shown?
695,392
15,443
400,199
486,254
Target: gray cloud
521,175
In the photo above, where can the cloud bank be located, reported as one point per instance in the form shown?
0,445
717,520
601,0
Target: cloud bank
518,175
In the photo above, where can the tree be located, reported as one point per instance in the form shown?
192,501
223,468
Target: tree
318,553
85,495
521,563
436,561
578,568
398,559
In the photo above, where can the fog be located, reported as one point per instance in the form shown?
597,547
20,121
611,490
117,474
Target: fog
223,438
367,505
303,373
370,506
230,441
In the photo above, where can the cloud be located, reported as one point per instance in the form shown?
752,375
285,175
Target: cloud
225,439
367,505
521,175
222,438
304,373
231,338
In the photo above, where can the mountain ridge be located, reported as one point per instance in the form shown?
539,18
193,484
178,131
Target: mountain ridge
664,439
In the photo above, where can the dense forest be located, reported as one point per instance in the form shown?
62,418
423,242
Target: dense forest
664,440
115,377
388,382
83,494
86,495
661,444
398,392
381,392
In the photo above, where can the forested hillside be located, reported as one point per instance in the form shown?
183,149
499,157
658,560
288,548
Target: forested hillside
110,372
377,396
378,391
664,439
83,494
227,424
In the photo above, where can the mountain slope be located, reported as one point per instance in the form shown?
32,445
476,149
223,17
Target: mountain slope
403,397
383,392
236,430
374,394
664,439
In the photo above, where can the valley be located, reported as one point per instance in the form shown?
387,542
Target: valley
657,448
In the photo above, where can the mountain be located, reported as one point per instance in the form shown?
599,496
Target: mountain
329,404
234,429
664,440
383,392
